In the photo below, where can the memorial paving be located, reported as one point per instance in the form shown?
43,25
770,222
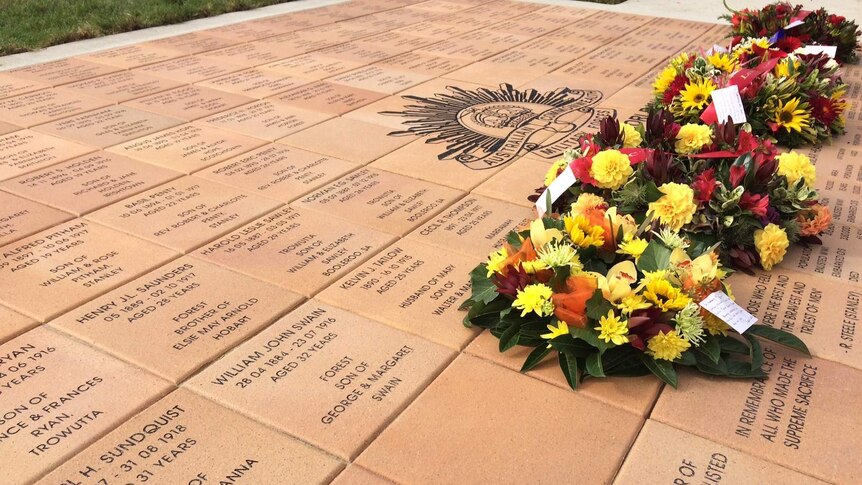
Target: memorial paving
238,255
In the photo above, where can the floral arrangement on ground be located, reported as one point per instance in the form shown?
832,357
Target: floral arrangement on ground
796,99
721,186
611,298
817,27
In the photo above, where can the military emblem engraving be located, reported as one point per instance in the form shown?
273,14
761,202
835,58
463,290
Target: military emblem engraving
486,128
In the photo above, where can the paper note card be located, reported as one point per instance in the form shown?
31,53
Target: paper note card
720,305
728,103
557,188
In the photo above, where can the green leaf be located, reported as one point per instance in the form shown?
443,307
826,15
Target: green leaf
779,337
569,364
711,349
597,306
509,338
707,366
567,343
756,353
656,256
662,369
535,357
687,358
484,289
594,365
743,370
589,337
732,346
651,192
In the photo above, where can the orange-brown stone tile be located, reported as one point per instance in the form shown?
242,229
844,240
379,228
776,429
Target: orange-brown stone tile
188,147
278,171
385,201
122,86
189,102
196,441
46,105
297,249
267,120
634,394
21,217
516,182
14,86
375,140
108,126
55,270
132,56
83,184
185,213
663,454
13,323
325,375
190,69
428,429
188,312
62,396
257,83
328,97
411,286
63,71
796,418
25,151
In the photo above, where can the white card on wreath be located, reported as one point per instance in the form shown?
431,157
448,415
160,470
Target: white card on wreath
557,188
829,50
728,103
720,305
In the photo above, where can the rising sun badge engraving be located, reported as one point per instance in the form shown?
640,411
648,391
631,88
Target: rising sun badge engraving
485,128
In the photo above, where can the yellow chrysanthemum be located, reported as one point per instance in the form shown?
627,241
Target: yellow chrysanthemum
632,303
562,328
497,261
611,329
583,233
771,243
722,61
794,166
664,295
692,137
587,202
535,298
667,346
611,169
676,207
633,246
551,175
631,137
715,325
786,67
696,94
662,82
791,116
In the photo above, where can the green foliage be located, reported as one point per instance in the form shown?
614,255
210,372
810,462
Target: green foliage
35,24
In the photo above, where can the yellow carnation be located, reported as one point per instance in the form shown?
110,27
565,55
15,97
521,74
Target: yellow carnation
631,137
771,243
667,346
676,207
692,137
551,175
794,166
611,169
587,202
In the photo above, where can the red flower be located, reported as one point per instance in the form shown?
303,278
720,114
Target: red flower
677,85
747,142
824,109
737,175
704,185
836,20
757,203
581,168
789,43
